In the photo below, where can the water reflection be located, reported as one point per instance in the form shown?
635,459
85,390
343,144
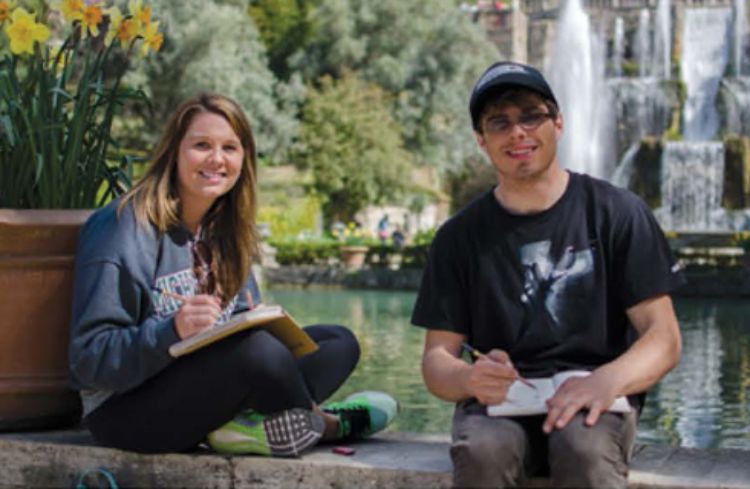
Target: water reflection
687,404
702,403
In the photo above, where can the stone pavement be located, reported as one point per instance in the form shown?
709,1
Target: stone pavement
389,460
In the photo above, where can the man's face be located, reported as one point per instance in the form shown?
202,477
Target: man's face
520,138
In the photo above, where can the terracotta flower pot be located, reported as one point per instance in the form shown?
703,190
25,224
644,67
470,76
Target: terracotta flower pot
353,257
37,250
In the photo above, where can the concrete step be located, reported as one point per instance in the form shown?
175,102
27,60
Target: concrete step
389,460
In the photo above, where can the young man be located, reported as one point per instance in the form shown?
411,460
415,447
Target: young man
550,271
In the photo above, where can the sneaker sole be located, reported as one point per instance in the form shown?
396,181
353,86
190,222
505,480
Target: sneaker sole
292,431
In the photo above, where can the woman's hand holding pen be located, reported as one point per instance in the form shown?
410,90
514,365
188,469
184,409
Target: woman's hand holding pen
196,314
490,377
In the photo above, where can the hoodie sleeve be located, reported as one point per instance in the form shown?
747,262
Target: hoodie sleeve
110,347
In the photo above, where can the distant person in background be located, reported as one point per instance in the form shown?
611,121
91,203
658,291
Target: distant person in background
172,258
383,225
548,271
398,237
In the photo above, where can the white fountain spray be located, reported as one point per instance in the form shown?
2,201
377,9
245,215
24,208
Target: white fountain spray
691,182
642,105
736,95
739,35
693,171
705,53
576,73
643,44
663,55
619,47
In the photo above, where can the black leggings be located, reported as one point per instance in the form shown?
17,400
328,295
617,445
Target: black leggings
175,410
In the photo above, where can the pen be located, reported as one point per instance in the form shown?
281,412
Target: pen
477,354
167,293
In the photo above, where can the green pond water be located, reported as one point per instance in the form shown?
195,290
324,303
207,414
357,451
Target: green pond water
704,402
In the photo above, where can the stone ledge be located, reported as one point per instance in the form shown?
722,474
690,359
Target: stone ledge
390,460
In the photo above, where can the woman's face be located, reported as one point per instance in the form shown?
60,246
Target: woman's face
209,162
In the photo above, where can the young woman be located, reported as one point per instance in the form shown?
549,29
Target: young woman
171,258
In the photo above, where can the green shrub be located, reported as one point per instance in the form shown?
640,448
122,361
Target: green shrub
325,251
424,237
297,216
411,256
305,252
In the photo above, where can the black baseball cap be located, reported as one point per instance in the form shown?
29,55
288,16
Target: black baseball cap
504,75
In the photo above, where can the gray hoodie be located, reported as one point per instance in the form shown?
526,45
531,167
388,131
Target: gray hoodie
121,328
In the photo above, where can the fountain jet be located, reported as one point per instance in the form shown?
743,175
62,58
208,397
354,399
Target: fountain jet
576,73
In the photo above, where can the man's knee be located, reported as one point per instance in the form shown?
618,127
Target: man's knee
595,456
489,458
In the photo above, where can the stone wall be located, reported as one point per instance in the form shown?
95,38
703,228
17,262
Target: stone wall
704,277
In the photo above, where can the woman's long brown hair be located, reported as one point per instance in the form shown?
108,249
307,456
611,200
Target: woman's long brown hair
229,226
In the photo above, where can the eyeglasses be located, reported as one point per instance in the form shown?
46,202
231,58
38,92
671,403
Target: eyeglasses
203,267
528,122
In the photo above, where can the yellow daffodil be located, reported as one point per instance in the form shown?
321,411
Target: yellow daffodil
144,16
92,17
6,6
152,39
23,32
141,15
127,32
72,10
121,28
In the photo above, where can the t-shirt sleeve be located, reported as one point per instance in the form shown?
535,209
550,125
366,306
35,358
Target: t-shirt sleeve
441,302
644,265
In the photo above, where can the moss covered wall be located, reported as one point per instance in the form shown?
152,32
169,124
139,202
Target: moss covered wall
736,172
646,178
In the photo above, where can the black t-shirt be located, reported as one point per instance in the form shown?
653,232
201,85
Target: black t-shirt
550,288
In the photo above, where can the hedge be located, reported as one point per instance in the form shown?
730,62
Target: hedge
326,252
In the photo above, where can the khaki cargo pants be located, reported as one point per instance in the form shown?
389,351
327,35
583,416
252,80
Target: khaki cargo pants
505,452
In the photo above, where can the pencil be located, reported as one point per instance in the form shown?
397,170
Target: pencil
167,293
477,354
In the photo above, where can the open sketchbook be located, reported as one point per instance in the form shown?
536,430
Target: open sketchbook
271,318
523,400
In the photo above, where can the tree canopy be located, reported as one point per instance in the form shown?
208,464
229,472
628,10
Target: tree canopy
213,45
352,145
425,54
285,26
296,66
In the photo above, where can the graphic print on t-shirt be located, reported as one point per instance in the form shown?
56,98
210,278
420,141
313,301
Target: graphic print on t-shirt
546,280
181,283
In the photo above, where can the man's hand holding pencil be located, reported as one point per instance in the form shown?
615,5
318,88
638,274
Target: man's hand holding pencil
490,376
